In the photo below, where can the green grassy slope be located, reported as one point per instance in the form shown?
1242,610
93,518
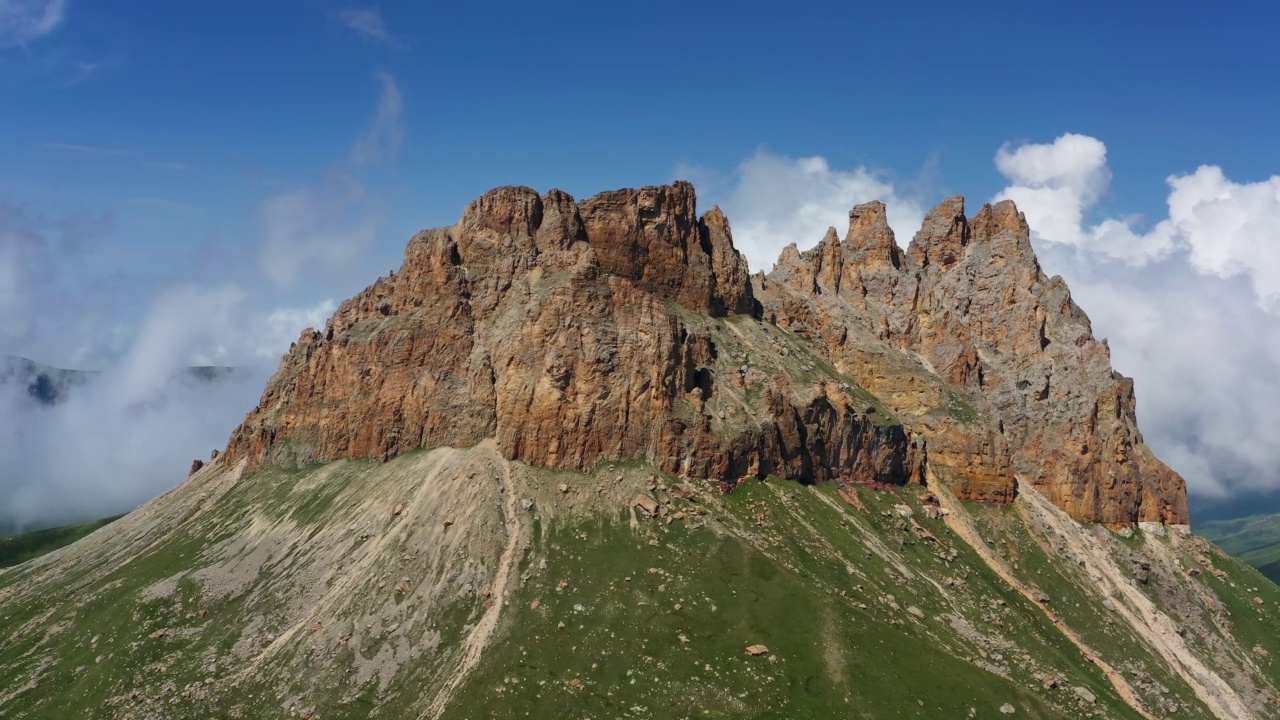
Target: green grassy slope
615,626
1256,540
20,548
351,591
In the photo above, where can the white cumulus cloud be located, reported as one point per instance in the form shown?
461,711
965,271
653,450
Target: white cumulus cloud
773,201
1231,228
1191,306
1228,228
1056,184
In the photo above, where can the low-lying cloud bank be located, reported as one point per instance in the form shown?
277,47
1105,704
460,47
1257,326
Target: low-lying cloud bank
112,439
131,430
1190,304
118,436
109,445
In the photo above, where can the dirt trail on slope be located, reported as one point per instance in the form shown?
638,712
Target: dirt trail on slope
960,523
476,642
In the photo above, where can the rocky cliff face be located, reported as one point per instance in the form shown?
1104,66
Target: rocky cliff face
572,333
626,326
1025,387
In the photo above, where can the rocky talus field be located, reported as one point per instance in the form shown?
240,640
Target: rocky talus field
574,460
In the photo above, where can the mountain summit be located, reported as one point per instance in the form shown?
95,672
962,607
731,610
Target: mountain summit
573,460
626,327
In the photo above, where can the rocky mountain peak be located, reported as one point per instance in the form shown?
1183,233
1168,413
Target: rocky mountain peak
870,241
626,326
942,237
972,307
654,237
572,333
506,210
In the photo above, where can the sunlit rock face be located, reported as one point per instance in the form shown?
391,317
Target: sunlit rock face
627,326
969,304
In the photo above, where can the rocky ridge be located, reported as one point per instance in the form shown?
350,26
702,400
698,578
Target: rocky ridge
572,333
626,326
970,305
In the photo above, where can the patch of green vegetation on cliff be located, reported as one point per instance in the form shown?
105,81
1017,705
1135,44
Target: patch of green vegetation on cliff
956,407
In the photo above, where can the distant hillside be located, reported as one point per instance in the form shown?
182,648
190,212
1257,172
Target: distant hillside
50,385
1256,540
16,549
46,385
62,434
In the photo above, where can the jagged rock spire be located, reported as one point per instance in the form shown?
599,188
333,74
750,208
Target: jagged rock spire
970,301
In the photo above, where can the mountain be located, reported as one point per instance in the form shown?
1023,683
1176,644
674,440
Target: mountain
1254,539
49,385
44,385
574,460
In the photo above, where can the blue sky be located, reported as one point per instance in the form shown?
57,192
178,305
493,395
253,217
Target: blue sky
221,174
250,96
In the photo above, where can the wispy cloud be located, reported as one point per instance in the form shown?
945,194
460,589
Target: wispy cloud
367,24
24,21
79,72
113,152
323,227
85,149
156,165
382,140
163,204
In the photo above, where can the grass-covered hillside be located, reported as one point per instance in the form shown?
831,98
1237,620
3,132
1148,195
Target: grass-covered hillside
20,548
452,584
1256,540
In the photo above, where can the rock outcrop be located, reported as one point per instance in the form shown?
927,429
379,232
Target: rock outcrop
1024,386
626,326
572,333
